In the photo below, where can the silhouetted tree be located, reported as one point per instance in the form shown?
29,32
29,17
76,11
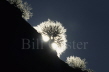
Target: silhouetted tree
55,32
24,7
76,62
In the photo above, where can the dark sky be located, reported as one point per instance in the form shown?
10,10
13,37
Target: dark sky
85,21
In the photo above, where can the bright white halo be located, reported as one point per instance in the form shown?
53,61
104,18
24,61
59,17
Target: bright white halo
54,46
45,38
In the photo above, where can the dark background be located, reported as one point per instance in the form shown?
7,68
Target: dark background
85,21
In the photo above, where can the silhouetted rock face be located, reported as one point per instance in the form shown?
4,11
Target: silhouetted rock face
16,33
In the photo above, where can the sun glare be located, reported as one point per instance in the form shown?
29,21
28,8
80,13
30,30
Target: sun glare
54,46
45,38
